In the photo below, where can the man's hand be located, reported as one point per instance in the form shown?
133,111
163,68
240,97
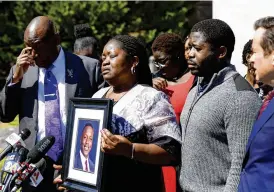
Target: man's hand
159,83
58,179
24,60
115,144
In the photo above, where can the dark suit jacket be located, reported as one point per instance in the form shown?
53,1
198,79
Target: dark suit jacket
258,167
78,163
82,80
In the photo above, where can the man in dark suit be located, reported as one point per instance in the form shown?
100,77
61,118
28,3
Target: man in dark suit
258,165
82,160
40,85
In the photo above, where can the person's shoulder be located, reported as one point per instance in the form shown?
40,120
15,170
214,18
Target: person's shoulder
69,56
89,60
100,93
241,84
151,92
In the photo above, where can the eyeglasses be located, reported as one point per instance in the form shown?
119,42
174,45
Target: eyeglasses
162,64
159,65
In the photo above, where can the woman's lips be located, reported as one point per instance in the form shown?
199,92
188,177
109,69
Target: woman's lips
105,71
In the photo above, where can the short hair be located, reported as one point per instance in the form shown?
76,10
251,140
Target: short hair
267,42
217,33
86,125
85,42
135,47
169,43
247,50
84,39
82,30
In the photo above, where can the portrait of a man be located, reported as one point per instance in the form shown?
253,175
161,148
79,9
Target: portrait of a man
82,156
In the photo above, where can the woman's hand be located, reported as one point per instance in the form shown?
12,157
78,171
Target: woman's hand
58,179
115,144
159,83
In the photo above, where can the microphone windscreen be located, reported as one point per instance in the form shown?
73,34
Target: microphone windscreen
41,165
40,149
24,134
23,154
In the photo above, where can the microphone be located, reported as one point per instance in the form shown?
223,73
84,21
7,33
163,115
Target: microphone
35,154
11,164
14,139
33,173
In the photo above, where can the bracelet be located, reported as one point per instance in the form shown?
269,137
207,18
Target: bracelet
132,151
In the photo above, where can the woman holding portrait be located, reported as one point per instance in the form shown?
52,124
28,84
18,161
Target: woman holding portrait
144,134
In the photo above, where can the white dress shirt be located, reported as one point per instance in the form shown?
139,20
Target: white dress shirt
83,160
59,73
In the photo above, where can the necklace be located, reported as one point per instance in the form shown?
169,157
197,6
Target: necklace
114,102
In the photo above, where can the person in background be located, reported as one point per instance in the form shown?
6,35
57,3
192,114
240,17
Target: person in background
85,47
40,85
85,44
174,77
218,113
175,80
258,165
262,89
187,48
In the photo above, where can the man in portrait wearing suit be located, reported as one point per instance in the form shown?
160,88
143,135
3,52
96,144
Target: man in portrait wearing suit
258,165
82,160
40,85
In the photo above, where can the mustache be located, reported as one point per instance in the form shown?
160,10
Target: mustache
189,61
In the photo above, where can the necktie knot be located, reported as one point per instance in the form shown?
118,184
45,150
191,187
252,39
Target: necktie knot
269,96
267,99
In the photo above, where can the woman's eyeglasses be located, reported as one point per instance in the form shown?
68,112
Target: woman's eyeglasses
159,65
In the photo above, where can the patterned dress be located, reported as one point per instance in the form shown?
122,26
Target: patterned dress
142,115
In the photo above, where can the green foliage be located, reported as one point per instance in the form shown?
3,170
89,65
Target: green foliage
106,19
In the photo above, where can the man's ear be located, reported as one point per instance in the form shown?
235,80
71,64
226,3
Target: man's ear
57,39
222,52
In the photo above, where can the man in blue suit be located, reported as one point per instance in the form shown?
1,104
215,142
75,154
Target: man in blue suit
82,160
258,166
39,88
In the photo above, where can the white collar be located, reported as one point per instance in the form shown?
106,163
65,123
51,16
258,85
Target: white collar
83,158
59,59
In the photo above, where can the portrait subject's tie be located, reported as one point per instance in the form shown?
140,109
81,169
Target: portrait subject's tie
86,164
52,114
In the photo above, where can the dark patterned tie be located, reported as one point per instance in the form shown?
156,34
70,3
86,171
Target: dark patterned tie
52,114
267,99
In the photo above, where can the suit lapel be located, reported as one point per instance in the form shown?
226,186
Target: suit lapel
71,76
258,125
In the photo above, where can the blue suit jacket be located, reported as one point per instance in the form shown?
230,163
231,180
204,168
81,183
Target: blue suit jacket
82,79
258,165
78,163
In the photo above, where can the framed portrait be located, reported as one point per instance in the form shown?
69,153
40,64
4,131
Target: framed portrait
83,159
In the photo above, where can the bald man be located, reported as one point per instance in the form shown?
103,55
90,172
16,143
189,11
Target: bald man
82,160
40,85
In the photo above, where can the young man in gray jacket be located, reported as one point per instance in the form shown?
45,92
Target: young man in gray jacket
218,114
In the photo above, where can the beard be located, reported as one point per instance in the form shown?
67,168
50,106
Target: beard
208,66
